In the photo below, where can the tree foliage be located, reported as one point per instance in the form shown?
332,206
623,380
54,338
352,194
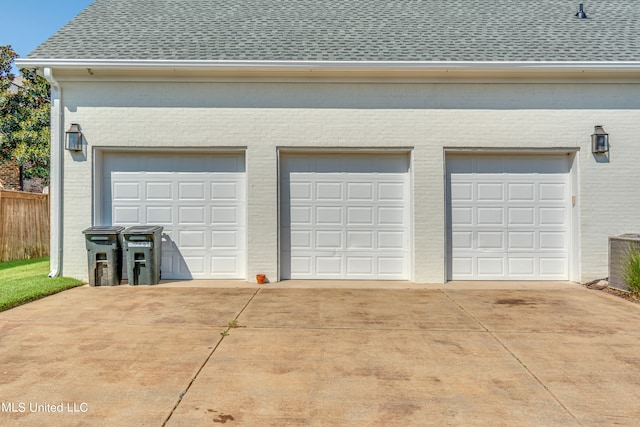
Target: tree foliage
24,118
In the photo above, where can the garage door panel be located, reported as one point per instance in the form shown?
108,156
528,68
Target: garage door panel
127,190
167,261
194,265
462,191
550,240
331,191
360,191
509,216
524,266
331,215
299,191
226,215
192,239
328,239
159,215
391,216
525,240
224,266
462,239
162,191
462,215
188,191
328,266
360,215
299,215
391,266
181,270
191,215
226,191
360,239
298,239
199,199
391,239
354,265
333,211
360,265
553,216
127,215
491,266
521,192
300,265
221,239
493,216
390,191
490,191
553,267
464,267
490,240
552,192
521,216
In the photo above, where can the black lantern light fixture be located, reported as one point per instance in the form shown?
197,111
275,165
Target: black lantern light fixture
73,138
599,141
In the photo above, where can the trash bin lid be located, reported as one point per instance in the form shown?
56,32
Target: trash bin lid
103,229
143,229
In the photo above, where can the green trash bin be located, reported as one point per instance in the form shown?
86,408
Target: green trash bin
104,255
143,251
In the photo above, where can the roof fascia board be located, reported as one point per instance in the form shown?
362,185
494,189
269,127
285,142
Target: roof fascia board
489,66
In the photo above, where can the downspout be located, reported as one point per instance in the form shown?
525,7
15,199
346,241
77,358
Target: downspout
55,182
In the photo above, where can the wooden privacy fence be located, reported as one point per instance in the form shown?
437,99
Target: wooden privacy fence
24,225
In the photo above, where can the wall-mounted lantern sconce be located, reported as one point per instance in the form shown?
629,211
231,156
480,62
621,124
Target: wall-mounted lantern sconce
73,138
599,141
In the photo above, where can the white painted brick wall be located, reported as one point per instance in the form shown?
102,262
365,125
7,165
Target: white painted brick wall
427,117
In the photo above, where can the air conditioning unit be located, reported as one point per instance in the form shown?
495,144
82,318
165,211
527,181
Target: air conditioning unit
619,248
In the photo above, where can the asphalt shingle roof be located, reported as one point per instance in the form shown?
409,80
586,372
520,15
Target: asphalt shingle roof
350,30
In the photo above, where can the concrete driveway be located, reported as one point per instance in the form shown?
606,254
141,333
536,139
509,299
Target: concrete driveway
154,356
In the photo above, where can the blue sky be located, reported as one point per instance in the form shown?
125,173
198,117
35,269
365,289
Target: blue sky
27,23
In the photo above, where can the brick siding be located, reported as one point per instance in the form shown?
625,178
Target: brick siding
9,175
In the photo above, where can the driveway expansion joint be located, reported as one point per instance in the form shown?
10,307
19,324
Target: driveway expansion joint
517,359
223,334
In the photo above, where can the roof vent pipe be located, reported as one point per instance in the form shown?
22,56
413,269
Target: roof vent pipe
581,13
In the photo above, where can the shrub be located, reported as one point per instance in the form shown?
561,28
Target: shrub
632,271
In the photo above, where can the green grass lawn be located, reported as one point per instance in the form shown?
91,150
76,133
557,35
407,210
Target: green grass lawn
22,281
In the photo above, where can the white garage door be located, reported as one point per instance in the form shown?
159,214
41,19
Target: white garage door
509,217
345,216
199,199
